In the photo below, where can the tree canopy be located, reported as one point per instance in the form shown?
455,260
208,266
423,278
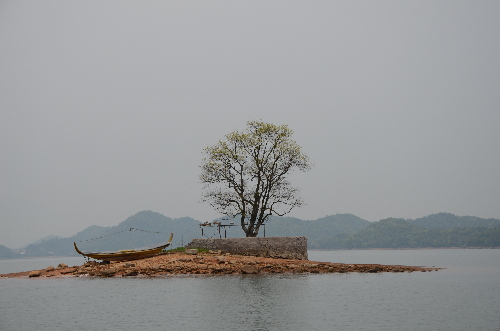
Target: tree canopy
245,174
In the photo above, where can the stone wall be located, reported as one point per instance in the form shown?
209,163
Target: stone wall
276,247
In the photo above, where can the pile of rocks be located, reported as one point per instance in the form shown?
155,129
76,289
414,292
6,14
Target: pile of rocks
212,263
62,268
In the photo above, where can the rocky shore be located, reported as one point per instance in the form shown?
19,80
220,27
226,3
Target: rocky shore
212,263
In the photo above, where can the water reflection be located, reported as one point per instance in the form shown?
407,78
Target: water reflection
254,302
464,296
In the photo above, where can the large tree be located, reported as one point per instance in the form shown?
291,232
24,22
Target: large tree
245,174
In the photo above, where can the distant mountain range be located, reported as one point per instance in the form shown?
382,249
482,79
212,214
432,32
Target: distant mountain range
341,231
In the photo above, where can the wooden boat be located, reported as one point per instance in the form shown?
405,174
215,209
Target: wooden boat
127,255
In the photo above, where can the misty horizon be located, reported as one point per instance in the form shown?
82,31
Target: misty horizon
236,220
106,107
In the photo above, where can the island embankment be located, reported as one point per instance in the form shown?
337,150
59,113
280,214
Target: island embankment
212,263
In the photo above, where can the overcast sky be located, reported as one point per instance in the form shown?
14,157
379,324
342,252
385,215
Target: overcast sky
105,106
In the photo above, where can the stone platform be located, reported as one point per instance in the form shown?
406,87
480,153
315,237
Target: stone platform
272,247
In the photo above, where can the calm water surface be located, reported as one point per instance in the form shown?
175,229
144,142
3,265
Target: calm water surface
465,296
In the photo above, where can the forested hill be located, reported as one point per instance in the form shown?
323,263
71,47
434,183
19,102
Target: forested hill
143,229
341,231
320,228
399,233
7,253
450,221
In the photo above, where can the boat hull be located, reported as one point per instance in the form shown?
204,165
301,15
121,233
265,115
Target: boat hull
126,255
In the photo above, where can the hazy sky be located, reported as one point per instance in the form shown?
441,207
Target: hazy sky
105,106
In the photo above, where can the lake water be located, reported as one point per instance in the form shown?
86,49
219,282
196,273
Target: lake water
465,296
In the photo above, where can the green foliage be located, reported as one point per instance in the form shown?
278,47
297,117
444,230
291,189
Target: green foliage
183,249
245,174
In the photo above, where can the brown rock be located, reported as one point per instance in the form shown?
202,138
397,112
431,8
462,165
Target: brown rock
67,271
130,273
181,263
249,269
35,273
108,272
62,266
51,268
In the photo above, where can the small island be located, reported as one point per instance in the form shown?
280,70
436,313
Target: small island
207,263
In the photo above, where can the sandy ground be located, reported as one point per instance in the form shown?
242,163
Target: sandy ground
206,264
